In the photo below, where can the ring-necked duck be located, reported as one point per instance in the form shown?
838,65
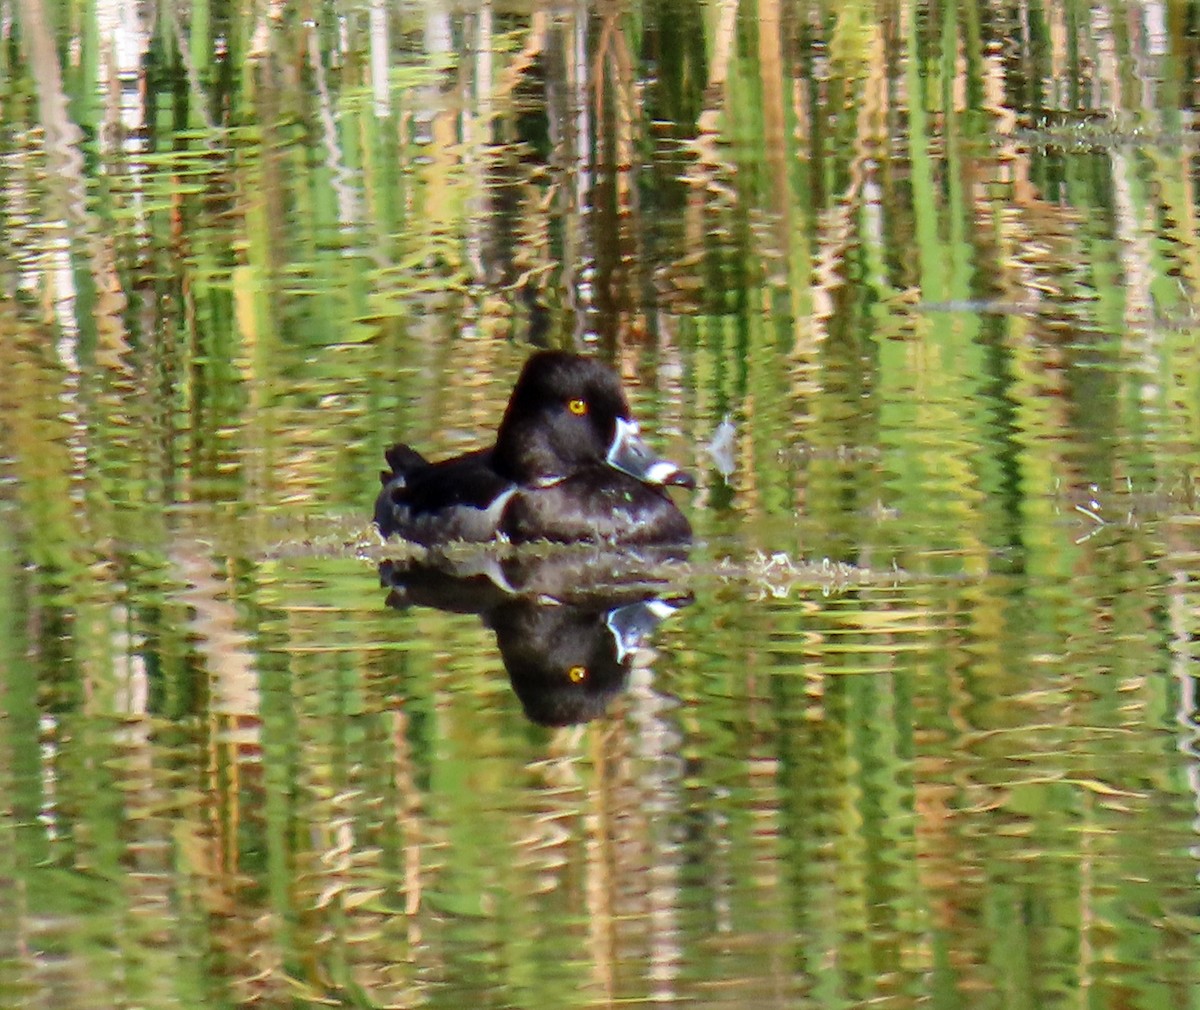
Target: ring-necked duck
568,465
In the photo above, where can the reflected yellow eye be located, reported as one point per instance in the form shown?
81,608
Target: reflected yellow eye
577,407
577,674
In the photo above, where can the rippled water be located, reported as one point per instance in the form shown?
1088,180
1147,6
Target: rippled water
912,290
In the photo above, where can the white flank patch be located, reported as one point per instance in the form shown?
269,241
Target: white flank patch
496,509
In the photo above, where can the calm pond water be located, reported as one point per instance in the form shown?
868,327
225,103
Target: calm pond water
912,289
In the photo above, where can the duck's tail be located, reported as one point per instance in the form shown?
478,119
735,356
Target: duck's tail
403,460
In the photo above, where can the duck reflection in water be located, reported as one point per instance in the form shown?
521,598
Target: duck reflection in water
568,632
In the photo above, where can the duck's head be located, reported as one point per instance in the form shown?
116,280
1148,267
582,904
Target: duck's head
568,413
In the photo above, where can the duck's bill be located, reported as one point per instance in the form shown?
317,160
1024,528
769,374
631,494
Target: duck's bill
630,624
629,454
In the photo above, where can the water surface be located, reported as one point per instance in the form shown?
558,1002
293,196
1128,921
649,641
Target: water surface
921,729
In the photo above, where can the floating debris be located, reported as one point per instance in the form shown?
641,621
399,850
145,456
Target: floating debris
981,306
778,575
721,448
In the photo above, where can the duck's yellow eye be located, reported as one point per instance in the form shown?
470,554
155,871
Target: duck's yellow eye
577,407
577,674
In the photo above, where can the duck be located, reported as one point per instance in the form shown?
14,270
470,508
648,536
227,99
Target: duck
568,465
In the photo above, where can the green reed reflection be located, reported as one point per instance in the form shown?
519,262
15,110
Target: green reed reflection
927,732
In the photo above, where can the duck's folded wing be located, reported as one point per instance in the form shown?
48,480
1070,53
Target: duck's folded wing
457,499
466,481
